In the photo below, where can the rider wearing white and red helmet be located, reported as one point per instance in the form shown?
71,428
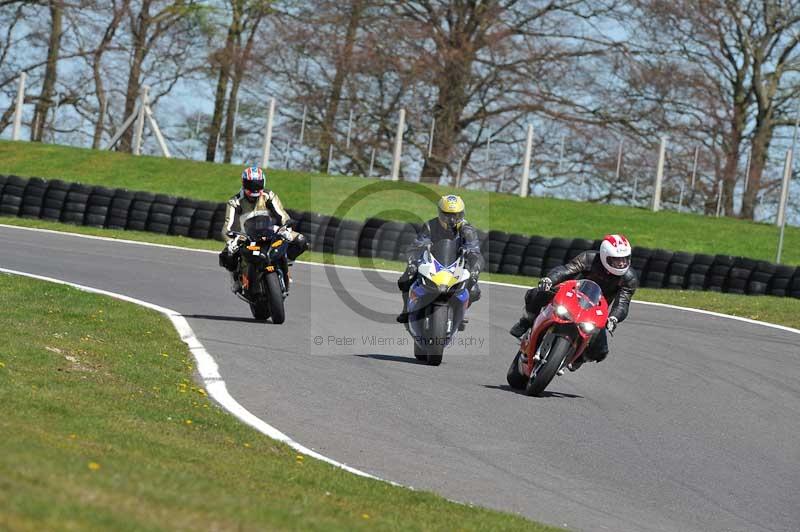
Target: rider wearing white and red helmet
610,267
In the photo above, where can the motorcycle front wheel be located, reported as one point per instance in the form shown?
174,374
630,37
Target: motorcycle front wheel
275,298
551,362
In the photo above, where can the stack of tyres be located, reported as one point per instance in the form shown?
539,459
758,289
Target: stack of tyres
160,217
739,275
367,241
794,285
54,199
33,198
11,198
182,217
534,257
218,221
140,210
313,227
98,207
119,209
346,241
578,246
75,204
640,258
202,219
3,179
698,271
655,274
388,238
493,248
678,270
557,253
718,274
759,280
513,254
408,234
779,284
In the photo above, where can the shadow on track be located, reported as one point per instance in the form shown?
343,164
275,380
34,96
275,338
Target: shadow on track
392,358
223,318
507,388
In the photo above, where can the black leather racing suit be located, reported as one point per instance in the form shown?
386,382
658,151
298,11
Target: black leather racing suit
618,291
433,231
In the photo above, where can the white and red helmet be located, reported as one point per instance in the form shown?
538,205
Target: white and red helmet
253,181
615,254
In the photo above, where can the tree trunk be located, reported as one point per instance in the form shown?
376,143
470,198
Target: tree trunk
759,148
99,86
222,84
451,102
342,71
45,100
140,30
730,170
230,119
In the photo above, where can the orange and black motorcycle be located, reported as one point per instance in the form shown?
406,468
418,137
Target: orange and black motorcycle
263,265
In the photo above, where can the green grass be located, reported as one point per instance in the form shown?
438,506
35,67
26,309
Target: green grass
104,429
779,310
328,194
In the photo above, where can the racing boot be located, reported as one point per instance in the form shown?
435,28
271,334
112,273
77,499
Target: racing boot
463,324
575,366
524,323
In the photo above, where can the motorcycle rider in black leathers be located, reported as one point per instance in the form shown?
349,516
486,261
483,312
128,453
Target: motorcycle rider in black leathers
449,224
253,196
610,269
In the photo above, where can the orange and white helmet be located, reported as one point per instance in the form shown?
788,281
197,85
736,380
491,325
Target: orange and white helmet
615,254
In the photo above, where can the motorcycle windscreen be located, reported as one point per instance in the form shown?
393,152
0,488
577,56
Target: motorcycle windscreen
446,251
589,293
258,224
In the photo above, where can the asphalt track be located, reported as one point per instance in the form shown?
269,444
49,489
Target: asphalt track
691,424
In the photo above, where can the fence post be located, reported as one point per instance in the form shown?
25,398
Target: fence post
719,199
371,162
349,129
430,138
268,135
330,156
303,124
694,165
139,128
398,146
458,172
18,108
526,164
662,152
787,176
619,161
561,153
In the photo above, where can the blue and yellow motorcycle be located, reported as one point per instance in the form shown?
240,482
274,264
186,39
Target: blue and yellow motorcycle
438,300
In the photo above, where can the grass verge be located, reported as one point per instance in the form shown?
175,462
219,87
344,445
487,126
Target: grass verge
104,429
326,194
779,310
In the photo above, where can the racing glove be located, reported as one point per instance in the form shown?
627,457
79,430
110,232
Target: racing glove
611,324
545,283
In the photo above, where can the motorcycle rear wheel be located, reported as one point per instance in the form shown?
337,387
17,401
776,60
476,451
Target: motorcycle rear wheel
515,379
419,353
260,310
545,371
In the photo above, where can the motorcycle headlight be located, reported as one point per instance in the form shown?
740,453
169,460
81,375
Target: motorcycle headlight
562,312
587,327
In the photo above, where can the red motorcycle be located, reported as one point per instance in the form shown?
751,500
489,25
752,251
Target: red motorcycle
559,336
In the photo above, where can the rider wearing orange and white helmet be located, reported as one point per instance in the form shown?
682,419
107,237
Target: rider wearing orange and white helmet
609,267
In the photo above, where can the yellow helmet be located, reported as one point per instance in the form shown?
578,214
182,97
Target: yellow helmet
451,211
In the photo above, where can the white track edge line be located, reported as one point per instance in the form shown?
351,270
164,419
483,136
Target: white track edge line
496,283
209,372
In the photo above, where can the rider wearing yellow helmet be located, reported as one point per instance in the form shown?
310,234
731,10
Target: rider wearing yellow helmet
448,224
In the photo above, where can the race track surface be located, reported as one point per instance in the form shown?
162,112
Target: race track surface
690,425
